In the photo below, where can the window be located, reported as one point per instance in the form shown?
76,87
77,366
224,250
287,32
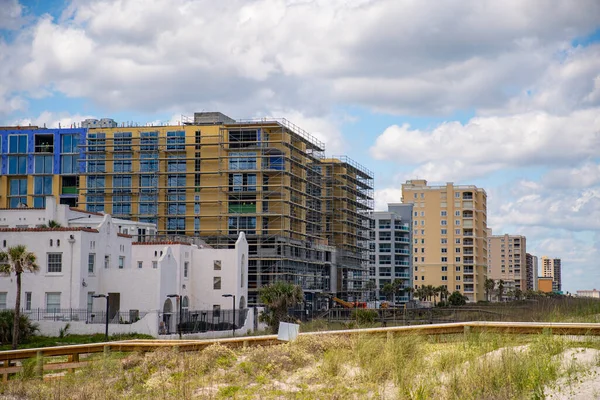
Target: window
444,250
422,259
52,302
217,265
217,283
149,141
154,264
216,311
457,231
444,241
241,161
444,231
458,278
17,192
121,262
416,212
457,287
68,164
457,259
122,162
186,267
54,262
444,259
422,222
457,222
91,263
457,240
43,164
422,213
444,277
69,143
27,301
457,195
443,213
3,301
42,185
458,268
444,268
457,250
148,162
106,261
176,140
457,213
140,264
444,222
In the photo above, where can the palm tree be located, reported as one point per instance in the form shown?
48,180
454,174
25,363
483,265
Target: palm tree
53,224
500,289
16,259
436,293
388,290
279,297
444,293
489,287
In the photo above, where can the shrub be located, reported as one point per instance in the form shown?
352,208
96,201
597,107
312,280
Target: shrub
457,299
364,317
26,328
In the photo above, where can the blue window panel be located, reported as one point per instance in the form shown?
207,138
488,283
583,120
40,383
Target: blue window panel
18,187
17,144
148,182
122,183
122,141
15,202
149,163
69,165
69,143
175,181
245,224
43,164
39,202
149,141
17,165
242,161
96,182
176,224
176,164
122,205
96,141
277,163
42,185
122,162
176,140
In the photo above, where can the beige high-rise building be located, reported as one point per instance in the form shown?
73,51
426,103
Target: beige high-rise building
551,268
507,260
449,236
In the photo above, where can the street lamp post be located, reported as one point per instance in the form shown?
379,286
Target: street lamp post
232,295
106,327
178,297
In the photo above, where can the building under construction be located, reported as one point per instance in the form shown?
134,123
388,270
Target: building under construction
306,217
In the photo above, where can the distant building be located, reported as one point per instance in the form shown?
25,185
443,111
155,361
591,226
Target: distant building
450,235
589,293
391,255
507,260
545,284
531,266
551,267
101,123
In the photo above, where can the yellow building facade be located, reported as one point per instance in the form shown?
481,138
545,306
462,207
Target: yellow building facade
449,236
507,260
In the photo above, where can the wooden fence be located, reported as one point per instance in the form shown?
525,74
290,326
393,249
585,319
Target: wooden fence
45,359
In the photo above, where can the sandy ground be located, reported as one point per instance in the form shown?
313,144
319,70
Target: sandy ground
585,382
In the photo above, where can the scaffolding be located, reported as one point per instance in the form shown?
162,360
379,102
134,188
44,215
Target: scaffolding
349,200
264,177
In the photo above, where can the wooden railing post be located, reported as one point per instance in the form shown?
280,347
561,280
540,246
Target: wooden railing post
39,364
73,358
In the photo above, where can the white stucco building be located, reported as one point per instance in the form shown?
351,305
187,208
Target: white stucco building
93,255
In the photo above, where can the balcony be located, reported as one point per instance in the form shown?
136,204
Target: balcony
401,263
467,270
402,251
469,288
468,252
69,190
405,228
468,280
468,262
402,240
402,275
44,144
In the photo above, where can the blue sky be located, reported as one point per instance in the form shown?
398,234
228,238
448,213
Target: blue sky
504,95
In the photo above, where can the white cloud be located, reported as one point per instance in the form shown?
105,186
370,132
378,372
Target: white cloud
54,120
385,196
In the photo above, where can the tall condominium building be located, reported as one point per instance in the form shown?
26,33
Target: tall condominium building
391,247
305,217
37,162
450,236
551,268
507,260
532,271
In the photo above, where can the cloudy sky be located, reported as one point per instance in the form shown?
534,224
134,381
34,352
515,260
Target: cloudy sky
501,94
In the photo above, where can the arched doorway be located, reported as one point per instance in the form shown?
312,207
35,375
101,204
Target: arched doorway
165,325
